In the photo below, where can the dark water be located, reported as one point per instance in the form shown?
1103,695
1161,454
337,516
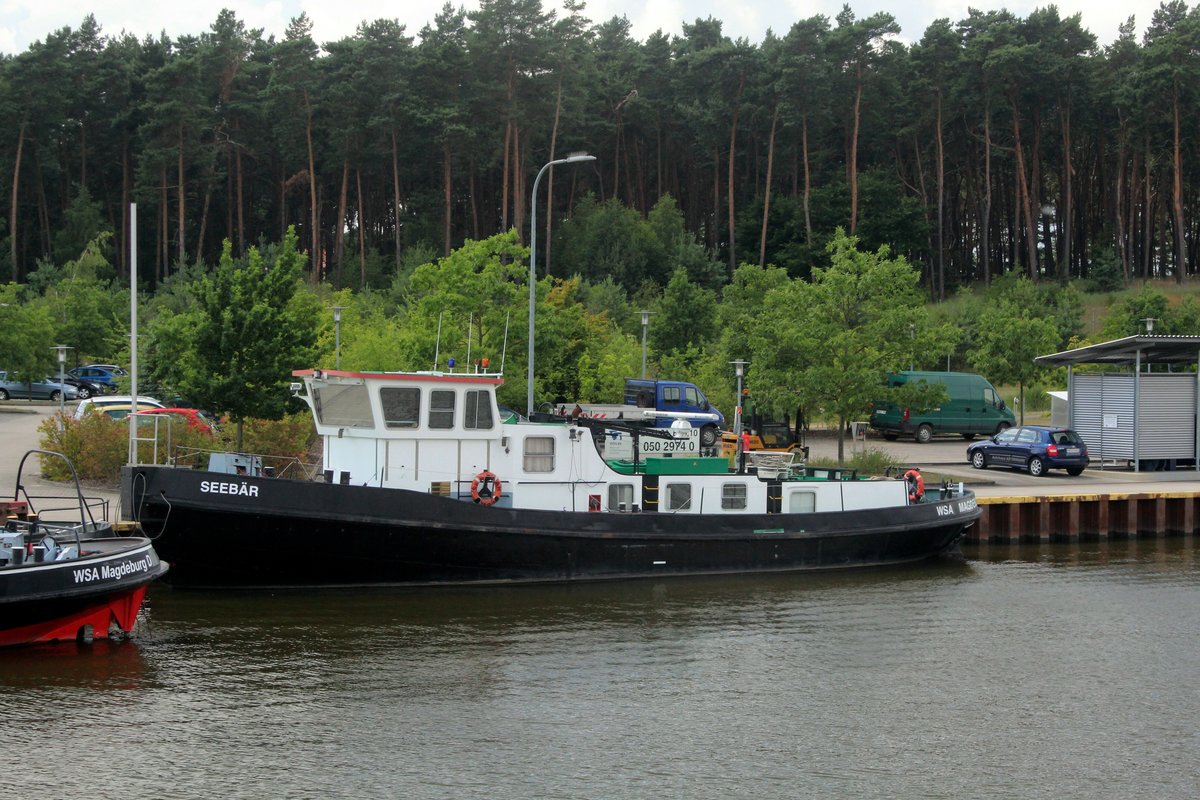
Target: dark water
1022,673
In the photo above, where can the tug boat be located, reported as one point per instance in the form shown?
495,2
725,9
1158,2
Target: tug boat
68,581
425,483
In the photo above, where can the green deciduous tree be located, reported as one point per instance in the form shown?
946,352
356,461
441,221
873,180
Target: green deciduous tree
249,333
829,344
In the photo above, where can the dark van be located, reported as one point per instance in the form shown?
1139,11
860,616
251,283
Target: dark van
973,408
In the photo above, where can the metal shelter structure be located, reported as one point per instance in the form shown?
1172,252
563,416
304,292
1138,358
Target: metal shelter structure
1148,418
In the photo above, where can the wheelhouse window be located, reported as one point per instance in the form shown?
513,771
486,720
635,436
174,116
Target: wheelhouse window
620,497
802,502
401,406
733,496
539,454
477,410
679,496
441,409
343,405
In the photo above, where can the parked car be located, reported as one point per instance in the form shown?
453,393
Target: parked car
45,389
194,417
112,368
114,405
96,375
1036,448
84,388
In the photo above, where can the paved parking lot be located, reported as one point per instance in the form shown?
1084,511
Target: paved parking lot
947,456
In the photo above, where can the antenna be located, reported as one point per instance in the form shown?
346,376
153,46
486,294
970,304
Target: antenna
470,327
504,352
437,348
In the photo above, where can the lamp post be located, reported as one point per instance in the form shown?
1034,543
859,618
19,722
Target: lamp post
62,361
337,336
740,369
645,324
912,338
573,158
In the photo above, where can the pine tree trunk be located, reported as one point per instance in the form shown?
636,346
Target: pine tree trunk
446,198
1024,206
241,201
339,241
807,180
853,165
1177,196
762,241
17,274
1068,200
986,226
317,260
506,173
396,218
941,204
362,243
180,252
546,248
737,110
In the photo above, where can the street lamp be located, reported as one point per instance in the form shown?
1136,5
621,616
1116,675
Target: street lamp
740,368
573,158
912,355
62,360
337,336
645,324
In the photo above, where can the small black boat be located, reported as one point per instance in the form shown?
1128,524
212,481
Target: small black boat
68,580
424,483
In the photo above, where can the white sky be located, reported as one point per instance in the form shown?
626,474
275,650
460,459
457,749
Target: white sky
24,21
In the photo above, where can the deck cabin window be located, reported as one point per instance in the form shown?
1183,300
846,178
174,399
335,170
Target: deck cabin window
620,497
401,406
539,454
477,410
802,502
679,496
733,496
441,409
343,405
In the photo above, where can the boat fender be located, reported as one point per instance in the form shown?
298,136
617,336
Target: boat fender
916,485
486,489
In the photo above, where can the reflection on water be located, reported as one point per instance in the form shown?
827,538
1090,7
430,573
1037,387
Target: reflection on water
1019,672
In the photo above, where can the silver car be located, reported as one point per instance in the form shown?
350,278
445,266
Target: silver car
45,389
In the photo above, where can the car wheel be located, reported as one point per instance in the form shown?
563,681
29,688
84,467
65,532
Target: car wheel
978,460
3,395
1037,467
924,434
708,436
1002,427
55,395
1074,470
84,393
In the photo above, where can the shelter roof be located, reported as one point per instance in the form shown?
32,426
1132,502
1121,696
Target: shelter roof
1153,349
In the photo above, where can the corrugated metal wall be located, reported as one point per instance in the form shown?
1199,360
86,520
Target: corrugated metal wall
1102,412
1167,416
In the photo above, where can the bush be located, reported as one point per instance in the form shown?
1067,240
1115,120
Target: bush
98,445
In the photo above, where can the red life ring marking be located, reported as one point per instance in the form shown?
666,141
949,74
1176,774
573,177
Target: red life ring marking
486,489
916,485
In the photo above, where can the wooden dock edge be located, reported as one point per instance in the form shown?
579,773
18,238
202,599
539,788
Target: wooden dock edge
1084,517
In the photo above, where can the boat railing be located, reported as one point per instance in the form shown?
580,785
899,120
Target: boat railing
261,465
41,507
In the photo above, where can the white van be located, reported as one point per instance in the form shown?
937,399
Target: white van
115,406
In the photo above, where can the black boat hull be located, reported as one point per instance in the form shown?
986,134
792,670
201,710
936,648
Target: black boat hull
52,601
223,530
